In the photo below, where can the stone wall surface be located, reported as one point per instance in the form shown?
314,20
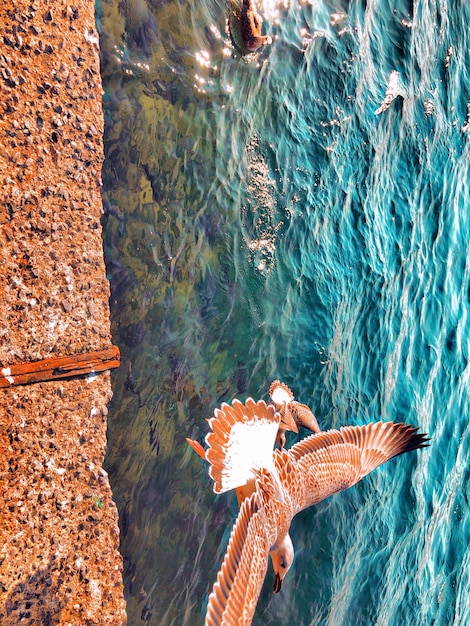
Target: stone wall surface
59,559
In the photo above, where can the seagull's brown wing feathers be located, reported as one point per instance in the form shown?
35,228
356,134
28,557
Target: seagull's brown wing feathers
304,416
337,459
235,594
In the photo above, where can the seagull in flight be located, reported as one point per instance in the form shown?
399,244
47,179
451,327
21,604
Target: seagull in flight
274,485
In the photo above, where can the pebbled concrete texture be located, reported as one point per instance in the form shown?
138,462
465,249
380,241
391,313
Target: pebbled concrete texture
51,123
58,551
59,536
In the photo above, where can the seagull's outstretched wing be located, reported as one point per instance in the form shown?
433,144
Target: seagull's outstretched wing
337,459
241,442
235,594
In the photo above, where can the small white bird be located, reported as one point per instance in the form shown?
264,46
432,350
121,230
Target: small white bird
276,485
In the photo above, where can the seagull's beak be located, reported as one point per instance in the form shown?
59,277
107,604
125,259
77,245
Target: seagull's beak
287,420
277,584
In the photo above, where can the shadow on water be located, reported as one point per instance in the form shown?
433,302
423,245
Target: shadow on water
36,600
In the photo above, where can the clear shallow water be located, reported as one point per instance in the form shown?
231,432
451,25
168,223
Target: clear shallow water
264,221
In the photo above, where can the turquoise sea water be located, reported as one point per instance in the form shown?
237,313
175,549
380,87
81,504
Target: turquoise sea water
279,216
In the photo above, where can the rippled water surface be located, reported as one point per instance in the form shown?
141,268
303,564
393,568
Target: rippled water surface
300,213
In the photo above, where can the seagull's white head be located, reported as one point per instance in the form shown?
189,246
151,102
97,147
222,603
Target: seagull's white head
282,557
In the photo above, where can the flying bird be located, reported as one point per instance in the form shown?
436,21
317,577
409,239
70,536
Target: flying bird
275,486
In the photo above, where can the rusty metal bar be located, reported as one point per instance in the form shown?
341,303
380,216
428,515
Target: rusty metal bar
59,367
